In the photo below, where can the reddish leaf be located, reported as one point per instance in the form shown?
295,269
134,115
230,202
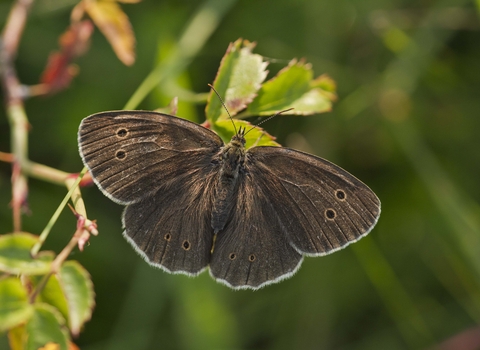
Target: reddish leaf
59,71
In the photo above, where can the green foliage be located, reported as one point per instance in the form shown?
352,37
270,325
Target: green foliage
77,288
293,87
66,295
45,326
14,306
15,255
239,82
238,79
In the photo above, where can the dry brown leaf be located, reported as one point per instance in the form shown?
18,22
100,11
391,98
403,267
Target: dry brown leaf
115,25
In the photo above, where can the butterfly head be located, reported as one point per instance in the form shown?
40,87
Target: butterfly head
239,138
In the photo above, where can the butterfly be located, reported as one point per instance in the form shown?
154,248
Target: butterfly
194,202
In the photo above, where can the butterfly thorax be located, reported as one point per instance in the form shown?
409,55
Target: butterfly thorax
231,160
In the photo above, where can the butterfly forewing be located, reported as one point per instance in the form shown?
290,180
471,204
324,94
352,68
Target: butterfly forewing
131,154
322,207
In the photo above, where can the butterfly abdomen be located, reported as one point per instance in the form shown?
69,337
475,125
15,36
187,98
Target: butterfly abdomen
231,159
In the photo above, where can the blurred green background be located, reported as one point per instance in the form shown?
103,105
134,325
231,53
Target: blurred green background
407,123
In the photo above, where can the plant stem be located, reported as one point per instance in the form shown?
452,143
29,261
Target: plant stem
79,207
13,96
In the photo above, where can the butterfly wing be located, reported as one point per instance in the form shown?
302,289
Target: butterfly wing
172,228
321,207
289,204
130,154
161,167
253,249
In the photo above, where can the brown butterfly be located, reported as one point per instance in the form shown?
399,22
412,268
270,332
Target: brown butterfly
193,201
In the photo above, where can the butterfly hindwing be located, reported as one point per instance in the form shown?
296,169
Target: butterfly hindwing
253,249
172,228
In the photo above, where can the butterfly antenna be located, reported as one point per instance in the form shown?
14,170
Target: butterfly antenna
224,106
266,120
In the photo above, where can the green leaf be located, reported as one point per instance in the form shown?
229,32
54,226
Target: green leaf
46,325
238,79
78,290
14,305
325,83
313,101
52,294
17,337
255,137
294,87
15,255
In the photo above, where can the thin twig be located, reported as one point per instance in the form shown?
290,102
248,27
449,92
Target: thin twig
15,25
6,157
13,93
46,173
79,206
